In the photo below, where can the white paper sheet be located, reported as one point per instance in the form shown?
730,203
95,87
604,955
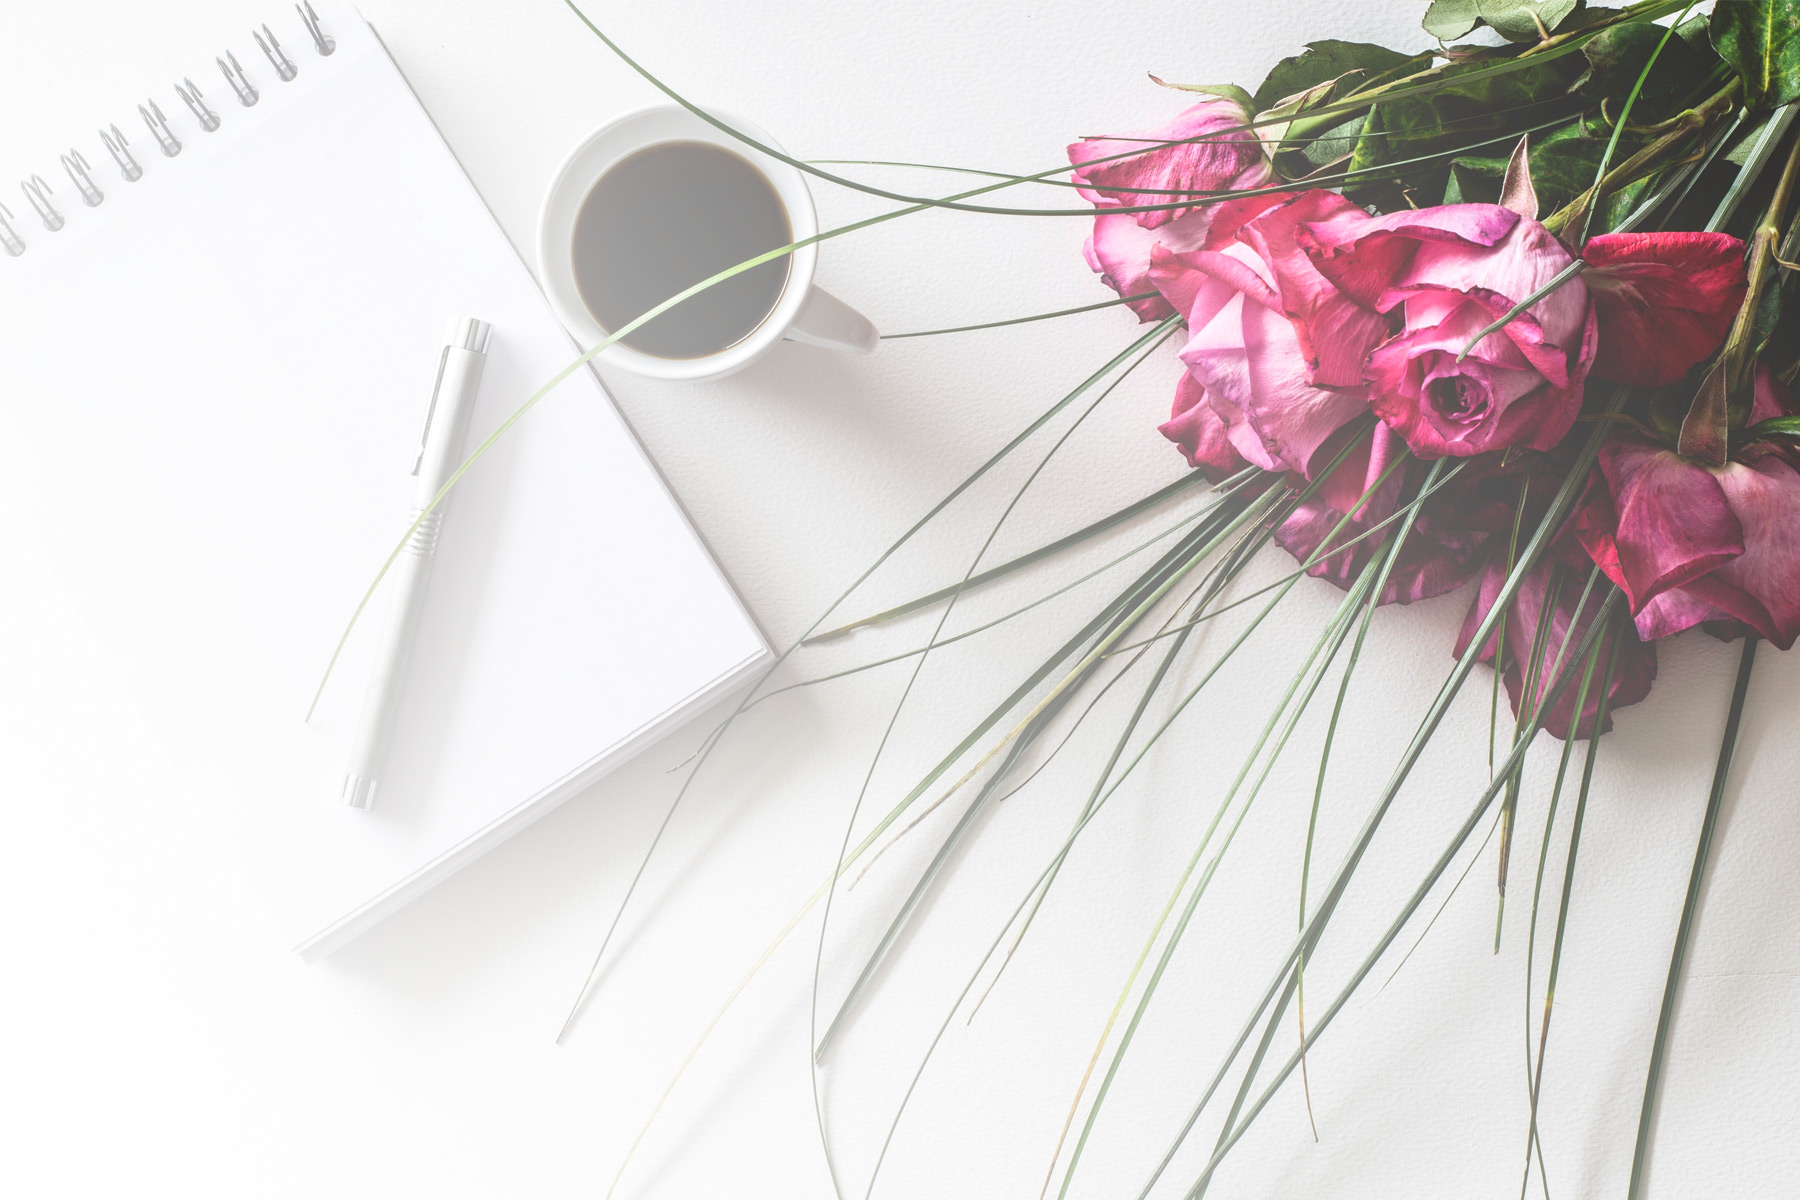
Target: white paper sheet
213,388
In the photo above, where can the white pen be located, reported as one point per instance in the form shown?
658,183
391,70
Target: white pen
440,452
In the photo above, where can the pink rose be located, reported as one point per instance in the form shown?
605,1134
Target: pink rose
1692,545
1443,549
1199,432
1207,148
1450,272
1276,348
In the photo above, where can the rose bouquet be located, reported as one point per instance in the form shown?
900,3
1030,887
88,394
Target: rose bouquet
1502,315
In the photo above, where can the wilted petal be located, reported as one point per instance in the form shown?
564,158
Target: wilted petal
1494,399
1206,148
1518,266
1665,301
1249,358
1438,556
1334,331
1764,495
1120,250
1200,432
1673,522
1363,257
1773,398
1574,608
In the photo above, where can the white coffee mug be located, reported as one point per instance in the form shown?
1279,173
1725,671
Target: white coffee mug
802,313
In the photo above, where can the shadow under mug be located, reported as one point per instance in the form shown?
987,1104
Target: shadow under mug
802,313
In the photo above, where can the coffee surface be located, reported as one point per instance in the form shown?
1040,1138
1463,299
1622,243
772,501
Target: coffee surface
662,220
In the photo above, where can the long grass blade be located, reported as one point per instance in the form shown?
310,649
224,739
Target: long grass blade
1154,500
1568,888
1612,145
1370,602
1389,93
1044,716
949,498
1117,617
1061,312
1393,931
951,639
1336,632
1709,825
1558,509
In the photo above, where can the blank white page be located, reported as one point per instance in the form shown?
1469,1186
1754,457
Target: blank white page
214,386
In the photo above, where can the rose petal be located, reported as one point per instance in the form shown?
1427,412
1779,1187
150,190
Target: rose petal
1197,429
1517,266
1665,300
1249,357
1214,151
1575,608
1437,556
1522,408
1364,257
1765,498
1119,249
1773,398
1335,332
1674,523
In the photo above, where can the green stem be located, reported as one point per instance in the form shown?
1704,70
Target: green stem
1061,312
1131,510
1612,144
1568,885
1387,939
1709,825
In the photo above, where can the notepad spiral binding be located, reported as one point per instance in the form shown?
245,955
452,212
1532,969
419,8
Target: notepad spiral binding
38,191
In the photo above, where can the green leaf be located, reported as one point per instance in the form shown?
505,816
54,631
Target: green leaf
1334,144
1761,41
1462,112
1563,163
1228,91
1768,316
1774,427
1616,58
1472,181
1515,20
1694,32
1323,61
1447,20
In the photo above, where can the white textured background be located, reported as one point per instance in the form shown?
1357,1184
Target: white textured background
154,1039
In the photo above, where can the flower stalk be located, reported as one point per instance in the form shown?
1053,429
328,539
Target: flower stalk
1726,390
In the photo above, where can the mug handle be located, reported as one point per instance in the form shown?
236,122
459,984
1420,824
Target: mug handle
826,321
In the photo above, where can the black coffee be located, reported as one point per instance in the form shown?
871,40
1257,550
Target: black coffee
666,218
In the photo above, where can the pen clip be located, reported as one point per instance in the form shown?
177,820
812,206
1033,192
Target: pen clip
431,410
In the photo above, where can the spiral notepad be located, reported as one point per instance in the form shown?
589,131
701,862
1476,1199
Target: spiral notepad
223,313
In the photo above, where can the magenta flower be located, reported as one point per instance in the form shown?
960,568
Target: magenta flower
1558,580
1692,545
1118,250
1276,347
1200,433
1665,301
1450,272
1207,148
1443,548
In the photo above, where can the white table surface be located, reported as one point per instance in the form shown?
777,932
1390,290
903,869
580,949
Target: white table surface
155,1038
